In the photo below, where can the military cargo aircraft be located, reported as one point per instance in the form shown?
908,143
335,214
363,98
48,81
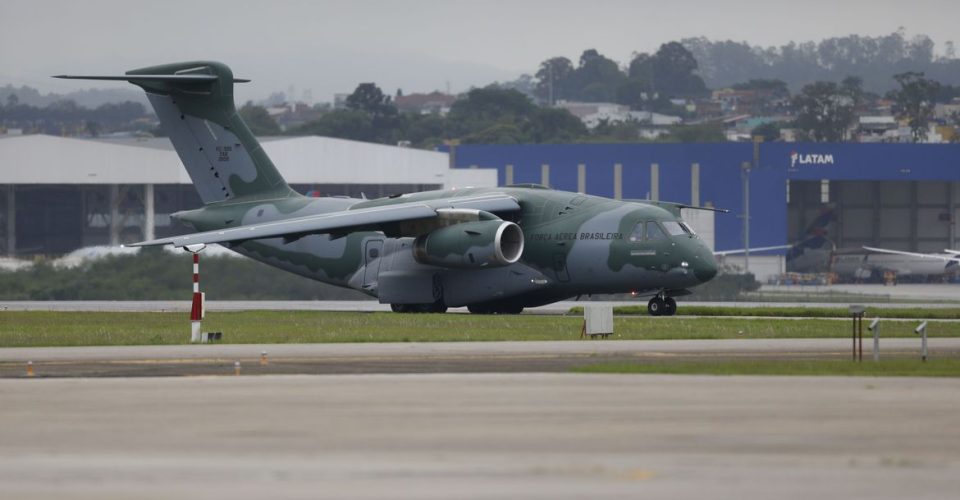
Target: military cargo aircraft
493,250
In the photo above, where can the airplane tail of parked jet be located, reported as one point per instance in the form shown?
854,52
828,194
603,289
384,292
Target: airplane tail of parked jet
194,102
814,251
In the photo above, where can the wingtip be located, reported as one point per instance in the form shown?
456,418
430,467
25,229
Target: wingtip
68,77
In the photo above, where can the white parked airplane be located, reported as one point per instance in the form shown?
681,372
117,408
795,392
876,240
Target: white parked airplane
907,264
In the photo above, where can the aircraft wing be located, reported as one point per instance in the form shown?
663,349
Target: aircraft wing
948,258
674,207
375,218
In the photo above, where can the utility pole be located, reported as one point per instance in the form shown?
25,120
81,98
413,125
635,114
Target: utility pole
745,169
745,179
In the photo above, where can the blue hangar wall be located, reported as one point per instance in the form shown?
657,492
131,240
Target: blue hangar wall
720,173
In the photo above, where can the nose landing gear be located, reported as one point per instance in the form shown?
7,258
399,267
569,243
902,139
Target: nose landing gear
660,305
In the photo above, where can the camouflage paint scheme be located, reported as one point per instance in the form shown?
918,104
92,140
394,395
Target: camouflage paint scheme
573,244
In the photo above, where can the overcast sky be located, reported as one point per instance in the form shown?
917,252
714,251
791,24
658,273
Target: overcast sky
330,46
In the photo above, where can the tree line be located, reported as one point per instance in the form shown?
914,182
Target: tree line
487,115
821,86
648,82
875,60
820,111
825,111
66,117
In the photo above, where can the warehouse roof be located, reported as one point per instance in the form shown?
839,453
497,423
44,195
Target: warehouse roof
45,159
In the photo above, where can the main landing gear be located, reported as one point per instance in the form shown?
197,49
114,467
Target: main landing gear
662,306
436,307
494,309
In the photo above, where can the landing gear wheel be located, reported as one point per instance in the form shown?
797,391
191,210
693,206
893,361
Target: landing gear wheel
656,306
669,306
436,307
478,309
511,310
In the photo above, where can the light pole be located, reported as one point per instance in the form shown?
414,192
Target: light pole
745,169
745,179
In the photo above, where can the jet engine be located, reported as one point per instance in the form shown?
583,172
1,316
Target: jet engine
485,243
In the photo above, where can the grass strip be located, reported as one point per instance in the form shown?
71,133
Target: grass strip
45,328
883,368
791,312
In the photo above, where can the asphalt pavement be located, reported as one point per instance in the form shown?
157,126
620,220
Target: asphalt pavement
426,357
480,436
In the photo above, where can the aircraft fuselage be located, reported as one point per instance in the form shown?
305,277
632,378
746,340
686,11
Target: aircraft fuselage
573,244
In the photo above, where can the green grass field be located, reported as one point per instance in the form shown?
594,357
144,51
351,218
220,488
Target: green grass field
793,312
884,368
40,328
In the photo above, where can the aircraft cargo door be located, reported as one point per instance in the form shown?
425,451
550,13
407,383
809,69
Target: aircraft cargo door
371,259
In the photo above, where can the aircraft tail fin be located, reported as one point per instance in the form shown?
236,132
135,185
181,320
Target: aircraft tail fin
194,102
820,225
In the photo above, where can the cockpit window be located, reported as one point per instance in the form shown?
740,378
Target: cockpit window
654,232
674,228
637,234
687,227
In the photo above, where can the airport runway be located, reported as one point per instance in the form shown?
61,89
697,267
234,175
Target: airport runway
908,291
374,306
426,357
480,436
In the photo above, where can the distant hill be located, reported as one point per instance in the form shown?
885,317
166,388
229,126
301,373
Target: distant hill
722,63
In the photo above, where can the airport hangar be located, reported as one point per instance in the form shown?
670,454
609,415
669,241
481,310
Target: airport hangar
898,196
64,193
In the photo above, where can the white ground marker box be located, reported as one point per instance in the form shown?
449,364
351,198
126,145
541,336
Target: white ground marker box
598,320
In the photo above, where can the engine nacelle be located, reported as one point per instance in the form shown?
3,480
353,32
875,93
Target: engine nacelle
486,243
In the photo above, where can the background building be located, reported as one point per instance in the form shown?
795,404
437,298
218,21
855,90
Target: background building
58,194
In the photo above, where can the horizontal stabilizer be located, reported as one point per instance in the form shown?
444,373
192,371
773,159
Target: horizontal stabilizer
150,78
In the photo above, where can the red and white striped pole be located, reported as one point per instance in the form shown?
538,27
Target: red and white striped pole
196,309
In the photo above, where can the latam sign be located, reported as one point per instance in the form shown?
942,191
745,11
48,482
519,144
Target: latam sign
810,159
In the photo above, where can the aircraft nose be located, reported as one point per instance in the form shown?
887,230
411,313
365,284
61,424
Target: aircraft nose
705,268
